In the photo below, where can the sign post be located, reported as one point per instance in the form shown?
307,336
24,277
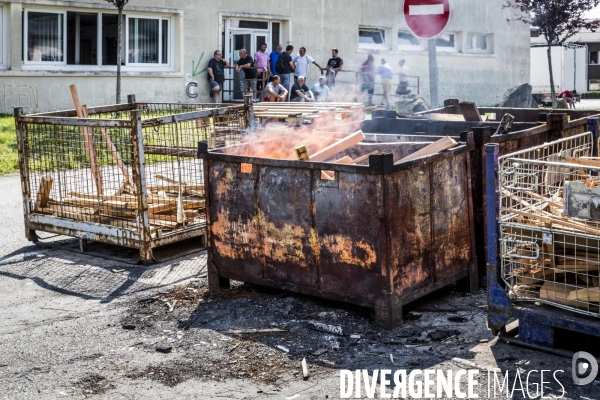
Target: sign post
427,19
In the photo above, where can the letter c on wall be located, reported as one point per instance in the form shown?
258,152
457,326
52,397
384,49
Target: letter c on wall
190,91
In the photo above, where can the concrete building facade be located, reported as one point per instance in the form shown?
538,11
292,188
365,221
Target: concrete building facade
45,46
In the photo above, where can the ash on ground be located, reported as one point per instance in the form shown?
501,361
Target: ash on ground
262,334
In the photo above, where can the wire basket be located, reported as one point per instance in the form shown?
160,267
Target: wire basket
126,175
550,224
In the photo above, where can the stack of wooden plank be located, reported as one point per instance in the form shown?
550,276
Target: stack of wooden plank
121,209
566,270
297,113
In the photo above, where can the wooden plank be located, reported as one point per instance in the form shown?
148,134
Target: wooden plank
470,111
43,194
445,117
302,154
88,140
583,161
557,293
338,147
120,197
443,144
591,295
168,180
344,160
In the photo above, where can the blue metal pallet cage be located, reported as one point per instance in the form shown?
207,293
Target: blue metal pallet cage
538,325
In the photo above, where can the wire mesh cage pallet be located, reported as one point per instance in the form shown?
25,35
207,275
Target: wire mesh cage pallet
125,175
550,224
543,238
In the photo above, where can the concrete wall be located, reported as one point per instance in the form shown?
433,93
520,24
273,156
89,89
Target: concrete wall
318,25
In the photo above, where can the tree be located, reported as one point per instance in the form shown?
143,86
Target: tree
120,4
557,20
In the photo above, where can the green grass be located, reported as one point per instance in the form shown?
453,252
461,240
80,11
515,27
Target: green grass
8,146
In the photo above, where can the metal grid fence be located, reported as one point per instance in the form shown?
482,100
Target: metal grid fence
127,175
549,234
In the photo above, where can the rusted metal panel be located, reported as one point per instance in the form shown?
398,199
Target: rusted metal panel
347,221
235,233
451,215
408,210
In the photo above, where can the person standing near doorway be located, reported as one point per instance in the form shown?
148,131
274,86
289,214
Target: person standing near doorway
302,62
334,65
261,60
216,75
246,63
286,68
385,70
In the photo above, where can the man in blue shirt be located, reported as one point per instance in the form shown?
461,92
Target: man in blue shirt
385,70
274,56
321,90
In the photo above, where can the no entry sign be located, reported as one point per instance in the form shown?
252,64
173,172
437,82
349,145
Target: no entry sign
427,18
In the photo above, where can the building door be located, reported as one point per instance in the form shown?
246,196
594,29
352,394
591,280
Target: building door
249,35
240,40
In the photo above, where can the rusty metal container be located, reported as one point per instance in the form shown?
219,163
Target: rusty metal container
379,235
532,127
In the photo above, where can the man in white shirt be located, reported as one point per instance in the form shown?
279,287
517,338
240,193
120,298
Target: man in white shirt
302,62
275,91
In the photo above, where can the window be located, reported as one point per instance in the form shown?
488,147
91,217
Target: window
83,40
477,43
46,33
371,38
408,41
110,35
446,42
275,35
593,57
148,40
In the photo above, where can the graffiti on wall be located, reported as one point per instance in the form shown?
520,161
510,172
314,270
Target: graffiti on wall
56,95
21,95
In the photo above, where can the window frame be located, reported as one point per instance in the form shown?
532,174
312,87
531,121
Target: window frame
445,49
99,66
26,12
409,47
381,46
160,18
473,48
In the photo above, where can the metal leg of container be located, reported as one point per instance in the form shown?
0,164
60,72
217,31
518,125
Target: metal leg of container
388,310
215,282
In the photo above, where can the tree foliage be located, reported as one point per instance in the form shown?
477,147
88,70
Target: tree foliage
556,20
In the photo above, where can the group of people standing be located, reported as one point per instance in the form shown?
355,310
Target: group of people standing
279,69
369,72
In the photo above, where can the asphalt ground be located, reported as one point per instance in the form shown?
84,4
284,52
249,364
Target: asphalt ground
62,317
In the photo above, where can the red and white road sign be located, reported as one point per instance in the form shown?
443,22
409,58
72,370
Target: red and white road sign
427,18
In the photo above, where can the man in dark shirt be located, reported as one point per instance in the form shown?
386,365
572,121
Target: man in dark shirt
216,74
246,63
300,92
289,67
334,65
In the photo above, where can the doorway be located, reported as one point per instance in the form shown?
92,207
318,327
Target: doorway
249,35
